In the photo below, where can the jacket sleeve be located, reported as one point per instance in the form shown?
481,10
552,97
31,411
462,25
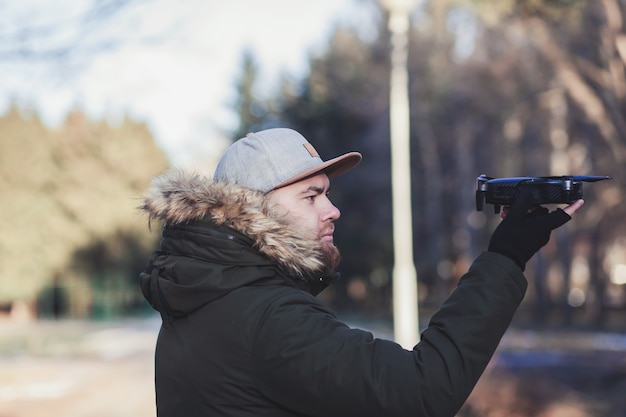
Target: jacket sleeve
463,335
309,362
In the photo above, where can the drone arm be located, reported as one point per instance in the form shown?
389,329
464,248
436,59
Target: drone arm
479,200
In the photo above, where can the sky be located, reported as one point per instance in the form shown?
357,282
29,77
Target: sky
174,65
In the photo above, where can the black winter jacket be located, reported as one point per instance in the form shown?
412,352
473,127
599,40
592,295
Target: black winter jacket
244,335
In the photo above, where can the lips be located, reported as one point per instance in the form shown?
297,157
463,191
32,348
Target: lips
328,235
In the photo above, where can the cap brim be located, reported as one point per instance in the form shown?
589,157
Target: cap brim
332,168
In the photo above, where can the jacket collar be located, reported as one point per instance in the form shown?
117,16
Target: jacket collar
177,198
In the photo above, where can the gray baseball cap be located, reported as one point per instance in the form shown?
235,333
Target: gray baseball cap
273,158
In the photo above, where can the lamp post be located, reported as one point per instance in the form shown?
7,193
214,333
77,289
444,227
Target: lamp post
405,299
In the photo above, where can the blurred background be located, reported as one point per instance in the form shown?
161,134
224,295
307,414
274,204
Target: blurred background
99,96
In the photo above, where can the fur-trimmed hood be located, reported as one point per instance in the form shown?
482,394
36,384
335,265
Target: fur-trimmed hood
179,197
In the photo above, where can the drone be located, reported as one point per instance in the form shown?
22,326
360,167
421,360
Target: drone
546,190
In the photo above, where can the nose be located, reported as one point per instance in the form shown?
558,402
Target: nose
331,212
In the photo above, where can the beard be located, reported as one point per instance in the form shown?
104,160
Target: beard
327,253
330,258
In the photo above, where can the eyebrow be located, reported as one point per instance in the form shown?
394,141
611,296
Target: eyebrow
317,190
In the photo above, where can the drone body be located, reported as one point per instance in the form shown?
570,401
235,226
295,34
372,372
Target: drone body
546,190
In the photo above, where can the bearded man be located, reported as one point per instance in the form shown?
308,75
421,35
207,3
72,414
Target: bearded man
241,260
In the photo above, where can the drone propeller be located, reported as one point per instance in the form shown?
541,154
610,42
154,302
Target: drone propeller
591,178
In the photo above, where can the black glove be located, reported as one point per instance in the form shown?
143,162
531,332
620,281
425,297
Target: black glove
522,233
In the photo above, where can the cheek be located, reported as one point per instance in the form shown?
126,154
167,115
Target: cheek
308,220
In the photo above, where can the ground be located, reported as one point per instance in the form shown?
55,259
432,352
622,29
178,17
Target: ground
105,369
77,369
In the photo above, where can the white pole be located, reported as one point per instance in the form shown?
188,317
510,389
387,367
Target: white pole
405,299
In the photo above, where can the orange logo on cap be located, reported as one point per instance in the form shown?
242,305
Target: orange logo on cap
311,150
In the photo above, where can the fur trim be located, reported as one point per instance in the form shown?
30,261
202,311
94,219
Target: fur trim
179,197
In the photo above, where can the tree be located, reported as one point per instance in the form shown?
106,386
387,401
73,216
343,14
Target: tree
582,44
252,110
68,188
537,89
67,37
342,106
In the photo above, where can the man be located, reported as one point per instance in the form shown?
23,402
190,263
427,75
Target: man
235,279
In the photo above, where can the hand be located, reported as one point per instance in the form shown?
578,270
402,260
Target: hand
523,231
571,209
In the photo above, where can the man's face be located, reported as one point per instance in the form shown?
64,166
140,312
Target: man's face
308,204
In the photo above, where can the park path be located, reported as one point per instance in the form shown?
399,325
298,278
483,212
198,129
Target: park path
105,369
77,369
